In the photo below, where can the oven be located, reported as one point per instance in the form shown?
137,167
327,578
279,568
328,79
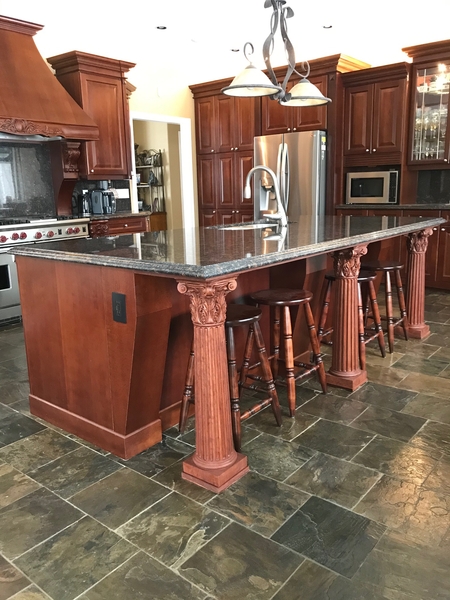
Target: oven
28,231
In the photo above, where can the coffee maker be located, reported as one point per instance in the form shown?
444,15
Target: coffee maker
103,199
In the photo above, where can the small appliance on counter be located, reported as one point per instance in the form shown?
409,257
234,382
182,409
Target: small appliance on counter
103,200
84,204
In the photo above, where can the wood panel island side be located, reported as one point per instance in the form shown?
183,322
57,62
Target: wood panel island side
108,323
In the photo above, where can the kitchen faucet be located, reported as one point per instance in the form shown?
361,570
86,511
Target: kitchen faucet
280,214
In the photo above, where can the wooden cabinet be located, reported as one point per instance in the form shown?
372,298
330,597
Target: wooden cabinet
429,135
431,258
375,102
277,118
225,123
443,266
118,225
99,86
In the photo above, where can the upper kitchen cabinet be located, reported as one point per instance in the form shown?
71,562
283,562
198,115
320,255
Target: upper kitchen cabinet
277,118
99,86
224,123
375,104
429,140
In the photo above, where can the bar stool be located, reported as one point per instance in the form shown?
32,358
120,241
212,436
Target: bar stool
388,267
239,315
282,300
365,334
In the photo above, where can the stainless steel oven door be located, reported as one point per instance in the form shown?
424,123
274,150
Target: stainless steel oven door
9,288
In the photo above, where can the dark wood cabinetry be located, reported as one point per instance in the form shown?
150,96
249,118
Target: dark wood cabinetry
118,225
99,86
375,103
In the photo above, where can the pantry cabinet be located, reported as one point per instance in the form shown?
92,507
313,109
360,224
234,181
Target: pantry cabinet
99,86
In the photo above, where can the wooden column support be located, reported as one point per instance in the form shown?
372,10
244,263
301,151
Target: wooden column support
417,244
215,464
345,370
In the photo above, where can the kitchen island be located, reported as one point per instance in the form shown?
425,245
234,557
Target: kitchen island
107,331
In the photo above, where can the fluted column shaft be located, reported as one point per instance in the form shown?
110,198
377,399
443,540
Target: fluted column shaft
345,370
215,464
417,244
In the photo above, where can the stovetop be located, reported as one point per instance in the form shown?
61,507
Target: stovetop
26,230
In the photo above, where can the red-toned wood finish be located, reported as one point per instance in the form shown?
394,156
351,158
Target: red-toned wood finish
215,463
33,101
345,370
415,299
99,86
119,225
443,269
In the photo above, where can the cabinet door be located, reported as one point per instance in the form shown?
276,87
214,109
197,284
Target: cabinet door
224,173
204,125
243,162
226,217
358,119
443,267
309,118
247,122
104,100
388,116
206,181
225,123
275,117
207,218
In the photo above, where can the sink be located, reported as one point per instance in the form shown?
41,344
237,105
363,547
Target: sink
241,226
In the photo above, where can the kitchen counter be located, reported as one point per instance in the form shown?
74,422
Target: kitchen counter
120,215
109,327
394,206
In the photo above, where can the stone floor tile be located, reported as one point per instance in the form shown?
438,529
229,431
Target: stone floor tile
335,439
12,580
259,503
397,459
16,426
15,391
334,479
290,427
330,535
427,366
144,578
173,529
119,497
433,436
390,423
429,407
75,559
158,457
31,593
427,384
171,478
334,408
252,566
439,477
74,472
382,396
32,519
386,375
14,485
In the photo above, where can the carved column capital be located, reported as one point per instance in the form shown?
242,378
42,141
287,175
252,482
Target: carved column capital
208,306
418,240
347,262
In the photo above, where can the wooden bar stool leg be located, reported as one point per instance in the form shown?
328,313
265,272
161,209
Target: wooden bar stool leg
289,359
267,372
401,303
247,356
234,389
376,317
324,313
389,311
362,341
276,341
315,345
188,391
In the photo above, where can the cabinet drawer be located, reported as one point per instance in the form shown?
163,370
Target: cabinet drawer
117,226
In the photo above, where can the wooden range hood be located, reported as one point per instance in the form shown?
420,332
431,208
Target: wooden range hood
32,101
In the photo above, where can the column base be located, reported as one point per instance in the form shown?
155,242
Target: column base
215,480
418,332
348,382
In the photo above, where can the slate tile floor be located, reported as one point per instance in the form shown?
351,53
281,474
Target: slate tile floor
350,500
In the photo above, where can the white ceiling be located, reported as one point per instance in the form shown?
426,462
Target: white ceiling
197,43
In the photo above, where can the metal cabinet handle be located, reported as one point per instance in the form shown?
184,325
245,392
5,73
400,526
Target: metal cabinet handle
374,149
367,150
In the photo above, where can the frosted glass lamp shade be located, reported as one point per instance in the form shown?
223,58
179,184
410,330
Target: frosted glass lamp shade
305,93
251,82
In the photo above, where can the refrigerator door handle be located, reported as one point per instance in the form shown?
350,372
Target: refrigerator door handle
285,176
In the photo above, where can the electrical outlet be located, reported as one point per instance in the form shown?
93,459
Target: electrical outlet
119,307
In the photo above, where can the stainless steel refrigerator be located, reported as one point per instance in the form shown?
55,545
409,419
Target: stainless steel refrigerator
298,160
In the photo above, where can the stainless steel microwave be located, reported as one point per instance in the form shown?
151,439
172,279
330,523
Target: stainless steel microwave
376,187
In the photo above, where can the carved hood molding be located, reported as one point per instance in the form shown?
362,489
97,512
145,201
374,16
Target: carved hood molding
32,101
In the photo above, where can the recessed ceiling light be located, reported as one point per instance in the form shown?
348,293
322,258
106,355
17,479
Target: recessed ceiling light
161,27
327,26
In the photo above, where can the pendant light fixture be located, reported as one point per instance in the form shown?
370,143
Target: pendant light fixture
252,82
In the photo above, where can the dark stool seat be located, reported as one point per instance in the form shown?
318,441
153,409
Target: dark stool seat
389,267
282,300
366,295
239,315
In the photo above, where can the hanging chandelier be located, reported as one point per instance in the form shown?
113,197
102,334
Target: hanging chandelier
252,82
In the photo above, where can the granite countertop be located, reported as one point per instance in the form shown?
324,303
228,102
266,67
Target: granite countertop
394,206
215,251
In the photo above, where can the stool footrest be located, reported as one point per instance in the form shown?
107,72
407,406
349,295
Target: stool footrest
255,409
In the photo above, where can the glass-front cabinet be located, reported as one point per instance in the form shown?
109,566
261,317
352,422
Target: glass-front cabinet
430,139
